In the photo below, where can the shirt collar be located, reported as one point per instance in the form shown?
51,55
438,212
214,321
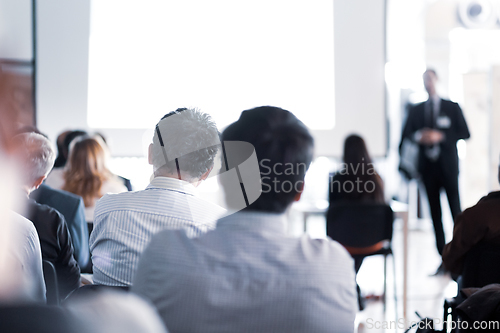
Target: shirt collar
259,221
172,184
435,99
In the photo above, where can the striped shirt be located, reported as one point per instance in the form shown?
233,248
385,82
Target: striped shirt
124,224
248,275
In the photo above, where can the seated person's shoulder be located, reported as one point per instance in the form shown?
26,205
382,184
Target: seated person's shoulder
39,212
22,225
45,191
116,201
326,249
488,204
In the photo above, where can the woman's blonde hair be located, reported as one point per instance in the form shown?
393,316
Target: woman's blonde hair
86,169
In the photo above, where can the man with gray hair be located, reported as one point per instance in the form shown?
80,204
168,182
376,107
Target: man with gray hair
183,151
36,155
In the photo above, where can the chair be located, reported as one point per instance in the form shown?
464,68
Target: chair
37,318
51,284
361,225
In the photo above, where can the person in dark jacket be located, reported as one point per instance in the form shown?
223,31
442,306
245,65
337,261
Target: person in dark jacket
436,125
36,155
72,208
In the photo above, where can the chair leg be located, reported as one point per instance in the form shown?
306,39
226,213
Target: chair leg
385,281
395,286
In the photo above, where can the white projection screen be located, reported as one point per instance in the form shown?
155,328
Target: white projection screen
323,60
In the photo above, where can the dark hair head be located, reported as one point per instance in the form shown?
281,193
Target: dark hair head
431,70
282,142
188,136
355,151
63,146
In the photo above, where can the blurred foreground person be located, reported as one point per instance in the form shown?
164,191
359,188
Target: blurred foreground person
114,311
249,275
182,155
86,174
37,157
21,275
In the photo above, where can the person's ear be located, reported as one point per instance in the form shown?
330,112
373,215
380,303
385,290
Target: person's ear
205,175
299,194
39,182
150,154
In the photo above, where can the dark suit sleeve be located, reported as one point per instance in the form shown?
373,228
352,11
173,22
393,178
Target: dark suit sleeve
68,271
461,130
409,128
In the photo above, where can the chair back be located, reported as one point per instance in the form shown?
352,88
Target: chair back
51,284
38,318
358,224
481,265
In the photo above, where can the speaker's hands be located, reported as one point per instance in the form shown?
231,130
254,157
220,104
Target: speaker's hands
431,136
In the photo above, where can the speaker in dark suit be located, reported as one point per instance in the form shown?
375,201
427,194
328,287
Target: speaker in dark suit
436,125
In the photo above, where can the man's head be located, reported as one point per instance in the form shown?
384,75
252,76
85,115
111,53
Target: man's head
37,155
430,79
284,148
185,142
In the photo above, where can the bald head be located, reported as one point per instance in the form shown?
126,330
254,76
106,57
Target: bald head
36,154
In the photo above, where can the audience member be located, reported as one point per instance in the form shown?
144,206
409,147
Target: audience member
182,155
22,251
37,156
62,151
55,179
248,275
477,224
86,174
21,277
72,208
357,180
115,311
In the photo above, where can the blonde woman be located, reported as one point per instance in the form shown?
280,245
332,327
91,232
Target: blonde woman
86,173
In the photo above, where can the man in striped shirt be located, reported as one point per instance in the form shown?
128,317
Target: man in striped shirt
184,147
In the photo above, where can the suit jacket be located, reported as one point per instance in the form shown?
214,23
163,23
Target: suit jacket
56,245
477,224
453,126
72,208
